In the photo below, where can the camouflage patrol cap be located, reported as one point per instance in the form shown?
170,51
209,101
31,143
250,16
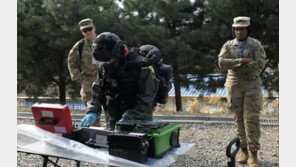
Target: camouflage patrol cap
85,23
241,21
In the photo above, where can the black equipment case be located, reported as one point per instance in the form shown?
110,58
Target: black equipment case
129,145
91,136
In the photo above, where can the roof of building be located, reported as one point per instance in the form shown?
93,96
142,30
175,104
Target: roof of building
220,92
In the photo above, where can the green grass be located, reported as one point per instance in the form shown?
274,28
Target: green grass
24,109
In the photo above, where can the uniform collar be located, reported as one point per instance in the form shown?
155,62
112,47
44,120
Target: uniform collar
235,42
88,42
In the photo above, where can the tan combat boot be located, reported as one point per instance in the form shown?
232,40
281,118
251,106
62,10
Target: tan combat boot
243,156
253,160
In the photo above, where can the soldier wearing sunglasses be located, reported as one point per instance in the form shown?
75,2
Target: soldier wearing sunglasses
81,64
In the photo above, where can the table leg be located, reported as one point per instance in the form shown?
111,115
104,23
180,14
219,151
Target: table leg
45,160
77,163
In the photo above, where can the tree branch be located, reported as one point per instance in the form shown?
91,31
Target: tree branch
54,80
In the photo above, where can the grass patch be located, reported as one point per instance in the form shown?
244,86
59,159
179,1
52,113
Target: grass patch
24,109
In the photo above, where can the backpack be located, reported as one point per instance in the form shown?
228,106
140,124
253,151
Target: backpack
164,74
80,46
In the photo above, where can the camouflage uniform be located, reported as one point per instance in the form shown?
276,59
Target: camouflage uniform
83,69
243,85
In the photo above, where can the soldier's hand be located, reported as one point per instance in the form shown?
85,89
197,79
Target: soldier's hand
247,60
88,120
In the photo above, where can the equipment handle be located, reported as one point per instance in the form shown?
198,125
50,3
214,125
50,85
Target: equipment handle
47,121
230,154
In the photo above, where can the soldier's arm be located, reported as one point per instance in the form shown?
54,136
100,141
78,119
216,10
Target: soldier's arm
258,63
224,60
74,63
94,106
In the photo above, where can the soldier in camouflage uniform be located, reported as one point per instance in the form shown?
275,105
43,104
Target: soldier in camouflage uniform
244,58
128,93
82,66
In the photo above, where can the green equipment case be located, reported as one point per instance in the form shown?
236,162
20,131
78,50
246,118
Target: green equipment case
163,136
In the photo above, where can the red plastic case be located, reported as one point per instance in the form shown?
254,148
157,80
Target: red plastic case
54,118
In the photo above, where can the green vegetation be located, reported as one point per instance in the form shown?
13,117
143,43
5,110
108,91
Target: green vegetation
24,109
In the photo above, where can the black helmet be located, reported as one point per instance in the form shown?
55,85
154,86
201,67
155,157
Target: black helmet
149,50
144,49
107,45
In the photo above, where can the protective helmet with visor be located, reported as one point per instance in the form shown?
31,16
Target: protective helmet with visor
106,46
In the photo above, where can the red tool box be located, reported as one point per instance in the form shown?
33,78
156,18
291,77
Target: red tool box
54,118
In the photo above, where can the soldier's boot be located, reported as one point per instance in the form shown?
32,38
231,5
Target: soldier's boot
243,156
253,159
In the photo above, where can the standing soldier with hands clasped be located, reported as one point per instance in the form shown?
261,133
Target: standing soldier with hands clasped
244,58
82,66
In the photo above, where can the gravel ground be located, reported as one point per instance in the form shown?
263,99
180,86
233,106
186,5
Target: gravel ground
210,143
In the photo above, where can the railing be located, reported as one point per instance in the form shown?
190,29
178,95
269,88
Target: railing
28,102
